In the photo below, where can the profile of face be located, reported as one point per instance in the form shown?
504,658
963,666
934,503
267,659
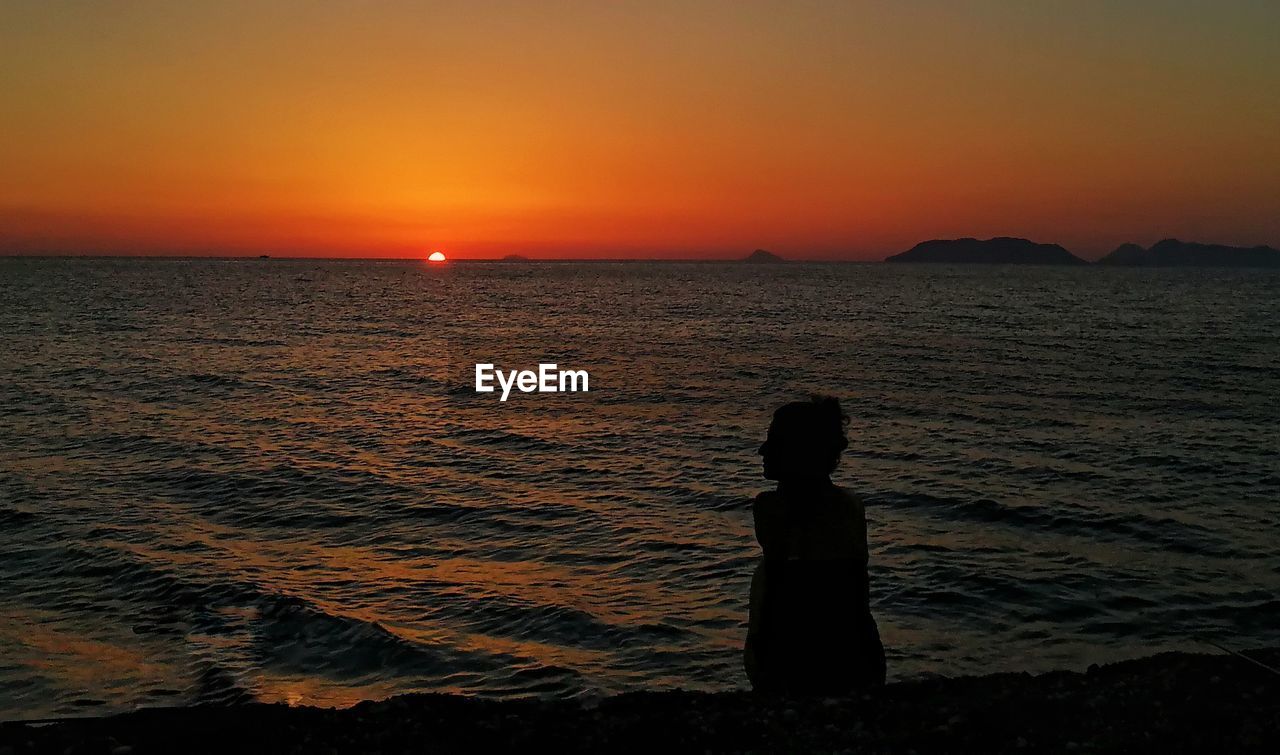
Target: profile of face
773,454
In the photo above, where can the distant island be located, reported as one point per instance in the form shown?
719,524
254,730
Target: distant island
762,257
1175,253
515,258
1001,250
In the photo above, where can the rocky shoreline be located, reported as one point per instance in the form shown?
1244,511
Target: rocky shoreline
1172,702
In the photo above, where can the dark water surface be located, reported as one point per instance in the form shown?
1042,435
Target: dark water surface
273,478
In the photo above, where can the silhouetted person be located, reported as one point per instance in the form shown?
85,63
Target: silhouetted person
811,629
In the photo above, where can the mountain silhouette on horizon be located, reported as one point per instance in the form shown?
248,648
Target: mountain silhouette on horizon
1001,250
762,257
1175,253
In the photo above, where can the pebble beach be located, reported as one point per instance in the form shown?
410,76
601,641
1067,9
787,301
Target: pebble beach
1168,703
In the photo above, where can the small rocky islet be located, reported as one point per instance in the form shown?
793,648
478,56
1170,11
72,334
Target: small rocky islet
1001,250
1166,703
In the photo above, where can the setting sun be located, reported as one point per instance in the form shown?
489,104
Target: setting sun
436,257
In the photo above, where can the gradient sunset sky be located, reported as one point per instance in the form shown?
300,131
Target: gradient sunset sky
649,129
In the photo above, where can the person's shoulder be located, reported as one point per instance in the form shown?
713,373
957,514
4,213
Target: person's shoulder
846,497
844,493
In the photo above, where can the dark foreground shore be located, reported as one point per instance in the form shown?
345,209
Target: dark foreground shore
1173,702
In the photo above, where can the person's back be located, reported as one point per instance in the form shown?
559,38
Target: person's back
811,629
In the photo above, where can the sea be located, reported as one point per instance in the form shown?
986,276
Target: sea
270,479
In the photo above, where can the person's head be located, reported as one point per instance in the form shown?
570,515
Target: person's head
805,440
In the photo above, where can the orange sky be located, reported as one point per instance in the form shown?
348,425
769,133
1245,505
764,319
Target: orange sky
690,129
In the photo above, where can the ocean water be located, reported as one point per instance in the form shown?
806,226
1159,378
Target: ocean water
224,479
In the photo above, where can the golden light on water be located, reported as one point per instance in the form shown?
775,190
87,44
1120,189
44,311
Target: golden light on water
436,257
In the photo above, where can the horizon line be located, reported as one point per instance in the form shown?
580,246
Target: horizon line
423,258
521,258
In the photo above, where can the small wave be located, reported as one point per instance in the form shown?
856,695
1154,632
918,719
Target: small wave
294,497
281,632
407,376
291,632
206,378
706,499
11,517
504,439
217,686
502,616
229,341
1067,519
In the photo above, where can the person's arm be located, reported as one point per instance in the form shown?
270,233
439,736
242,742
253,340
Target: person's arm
861,548
763,514
766,511
755,607
861,552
